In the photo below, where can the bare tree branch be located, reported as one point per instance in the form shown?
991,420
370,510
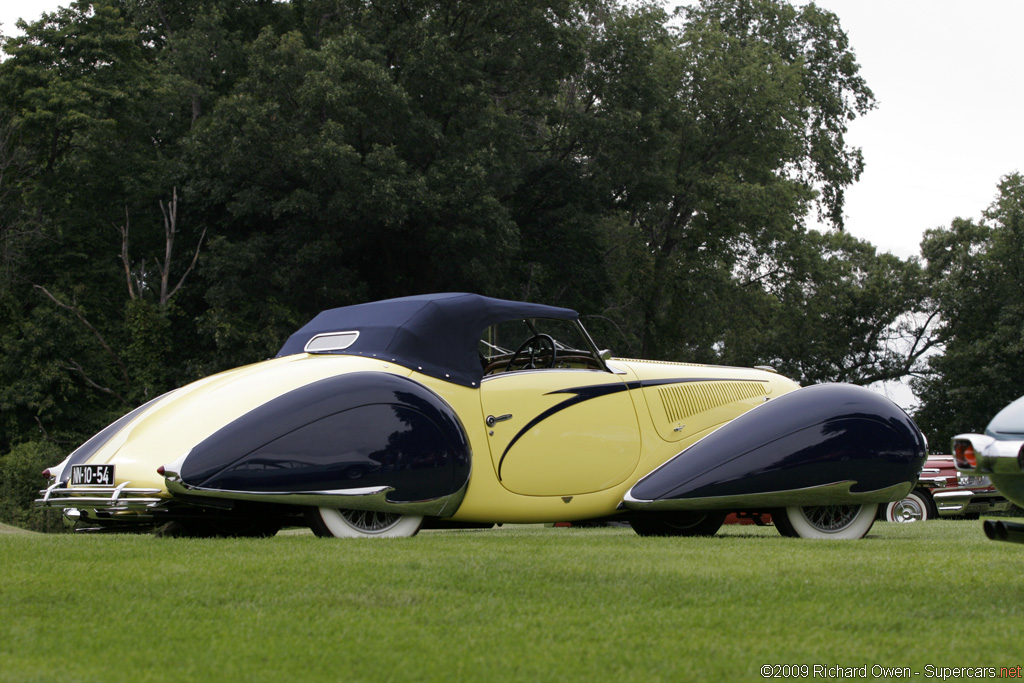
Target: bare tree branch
170,213
136,281
134,290
74,365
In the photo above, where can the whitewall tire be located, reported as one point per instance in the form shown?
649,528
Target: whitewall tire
362,523
914,508
826,521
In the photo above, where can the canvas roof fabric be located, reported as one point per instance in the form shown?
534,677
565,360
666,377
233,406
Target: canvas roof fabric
436,334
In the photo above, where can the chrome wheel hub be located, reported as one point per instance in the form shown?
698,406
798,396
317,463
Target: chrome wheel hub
907,511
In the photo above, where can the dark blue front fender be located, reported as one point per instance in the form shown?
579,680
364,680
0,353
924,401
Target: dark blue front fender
366,439
824,444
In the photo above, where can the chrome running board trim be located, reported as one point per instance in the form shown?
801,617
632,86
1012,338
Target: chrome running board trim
373,498
837,493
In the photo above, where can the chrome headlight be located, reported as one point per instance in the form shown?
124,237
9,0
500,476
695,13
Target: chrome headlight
972,480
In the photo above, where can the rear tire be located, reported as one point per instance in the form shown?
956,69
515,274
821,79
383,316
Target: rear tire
339,523
689,524
826,521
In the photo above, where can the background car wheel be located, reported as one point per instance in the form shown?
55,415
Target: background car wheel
916,507
693,524
826,521
361,523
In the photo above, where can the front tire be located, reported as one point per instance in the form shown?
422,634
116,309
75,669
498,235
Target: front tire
844,522
693,524
916,507
339,523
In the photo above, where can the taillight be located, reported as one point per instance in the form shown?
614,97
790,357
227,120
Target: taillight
46,474
963,453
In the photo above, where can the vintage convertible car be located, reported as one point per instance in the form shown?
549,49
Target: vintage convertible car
999,455
455,410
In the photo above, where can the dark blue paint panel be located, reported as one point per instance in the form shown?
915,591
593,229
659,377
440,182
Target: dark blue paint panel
349,431
811,437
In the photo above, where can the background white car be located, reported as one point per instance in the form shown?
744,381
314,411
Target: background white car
999,455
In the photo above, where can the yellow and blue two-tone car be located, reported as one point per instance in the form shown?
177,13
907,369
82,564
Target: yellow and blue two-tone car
459,410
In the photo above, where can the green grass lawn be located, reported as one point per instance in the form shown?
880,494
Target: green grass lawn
521,603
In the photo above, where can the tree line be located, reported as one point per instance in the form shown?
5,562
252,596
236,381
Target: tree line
185,182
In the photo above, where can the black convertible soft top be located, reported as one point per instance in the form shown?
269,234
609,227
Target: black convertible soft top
436,334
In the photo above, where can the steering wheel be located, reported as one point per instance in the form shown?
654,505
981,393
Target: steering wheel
535,347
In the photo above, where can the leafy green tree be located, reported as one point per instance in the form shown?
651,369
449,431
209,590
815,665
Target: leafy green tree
394,148
977,275
751,136
92,226
20,482
829,308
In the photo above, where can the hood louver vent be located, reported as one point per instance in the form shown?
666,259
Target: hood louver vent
683,400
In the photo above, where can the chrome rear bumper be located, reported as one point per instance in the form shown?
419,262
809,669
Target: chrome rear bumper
109,498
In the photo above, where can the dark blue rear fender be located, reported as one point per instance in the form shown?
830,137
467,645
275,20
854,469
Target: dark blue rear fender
366,430
824,444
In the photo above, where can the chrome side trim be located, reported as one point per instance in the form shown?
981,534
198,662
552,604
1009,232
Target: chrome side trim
959,502
373,498
931,476
837,493
950,503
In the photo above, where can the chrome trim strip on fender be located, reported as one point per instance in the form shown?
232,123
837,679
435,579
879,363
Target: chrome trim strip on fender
837,493
373,498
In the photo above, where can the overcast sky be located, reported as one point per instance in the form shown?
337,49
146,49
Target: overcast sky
947,77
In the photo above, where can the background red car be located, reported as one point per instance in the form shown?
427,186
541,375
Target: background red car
943,492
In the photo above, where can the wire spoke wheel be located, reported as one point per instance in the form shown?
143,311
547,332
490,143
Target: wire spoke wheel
831,518
369,521
826,521
326,521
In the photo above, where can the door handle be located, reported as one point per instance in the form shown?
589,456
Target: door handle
491,420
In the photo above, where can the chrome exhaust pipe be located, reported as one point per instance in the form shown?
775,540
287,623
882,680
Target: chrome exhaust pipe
1011,532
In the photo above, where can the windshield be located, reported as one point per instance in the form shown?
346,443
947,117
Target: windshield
536,344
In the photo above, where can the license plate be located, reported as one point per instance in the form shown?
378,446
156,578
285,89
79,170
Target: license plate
92,475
